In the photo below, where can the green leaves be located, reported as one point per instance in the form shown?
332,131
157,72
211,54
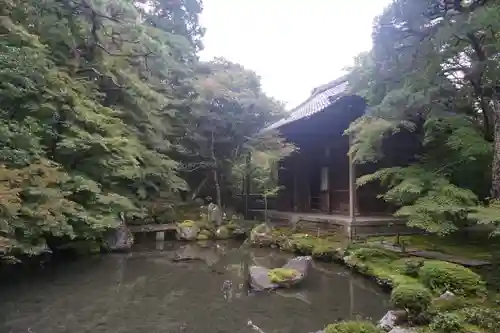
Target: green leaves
430,73
87,94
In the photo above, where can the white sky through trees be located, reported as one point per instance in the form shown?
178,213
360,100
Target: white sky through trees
293,45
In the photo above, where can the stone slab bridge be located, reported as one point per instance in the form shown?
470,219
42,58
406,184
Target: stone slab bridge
159,229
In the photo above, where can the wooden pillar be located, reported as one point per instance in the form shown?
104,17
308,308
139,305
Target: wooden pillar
325,185
352,192
295,187
247,185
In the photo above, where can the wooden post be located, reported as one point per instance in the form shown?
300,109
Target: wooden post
352,192
247,185
351,297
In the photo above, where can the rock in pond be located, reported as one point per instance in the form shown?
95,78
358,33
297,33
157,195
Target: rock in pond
194,252
187,230
120,239
261,277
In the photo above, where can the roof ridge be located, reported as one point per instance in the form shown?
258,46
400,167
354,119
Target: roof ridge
319,100
326,86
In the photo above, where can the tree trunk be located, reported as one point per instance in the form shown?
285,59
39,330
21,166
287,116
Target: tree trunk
265,208
495,169
216,173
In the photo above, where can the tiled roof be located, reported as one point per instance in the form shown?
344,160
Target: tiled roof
321,98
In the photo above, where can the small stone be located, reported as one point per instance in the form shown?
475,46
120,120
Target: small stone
447,295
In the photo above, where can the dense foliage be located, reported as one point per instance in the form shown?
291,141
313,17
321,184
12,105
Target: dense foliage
105,108
433,72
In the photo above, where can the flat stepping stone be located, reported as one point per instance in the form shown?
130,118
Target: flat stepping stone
450,258
435,255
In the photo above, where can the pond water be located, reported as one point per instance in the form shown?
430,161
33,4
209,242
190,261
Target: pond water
146,291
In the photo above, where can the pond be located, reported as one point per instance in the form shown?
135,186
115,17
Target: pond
146,291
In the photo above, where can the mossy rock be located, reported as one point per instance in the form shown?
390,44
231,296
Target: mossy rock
206,233
202,237
283,275
187,230
441,276
353,327
223,232
261,235
188,224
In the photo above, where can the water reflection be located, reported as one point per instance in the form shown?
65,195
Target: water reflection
147,291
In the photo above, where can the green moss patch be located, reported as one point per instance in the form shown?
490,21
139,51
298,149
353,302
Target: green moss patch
282,275
323,247
384,266
187,224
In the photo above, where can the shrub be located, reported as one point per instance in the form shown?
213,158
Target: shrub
369,253
449,304
352,327
411,267
486,318
442,276
414,298
446,323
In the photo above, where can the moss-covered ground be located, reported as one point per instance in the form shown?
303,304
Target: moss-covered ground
474,307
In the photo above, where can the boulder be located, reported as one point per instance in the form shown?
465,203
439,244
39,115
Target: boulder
121,238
